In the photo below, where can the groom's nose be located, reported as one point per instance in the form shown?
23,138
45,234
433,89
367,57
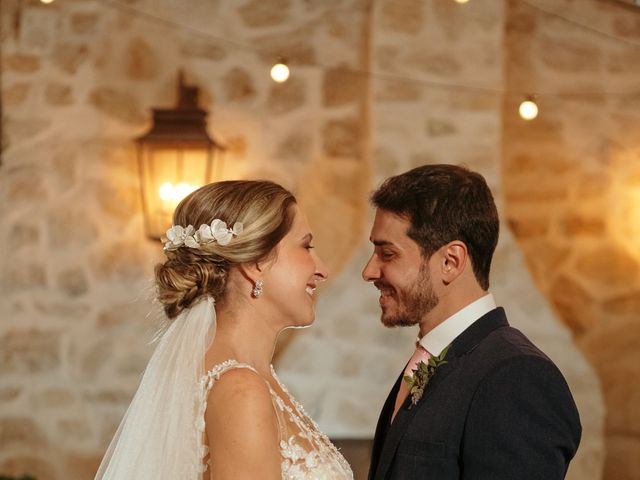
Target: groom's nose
371,271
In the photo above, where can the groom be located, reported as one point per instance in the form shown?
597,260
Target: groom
485,403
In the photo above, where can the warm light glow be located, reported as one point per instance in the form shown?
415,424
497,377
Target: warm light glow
173,194
280,73
166,191
528,109
46,1
462,1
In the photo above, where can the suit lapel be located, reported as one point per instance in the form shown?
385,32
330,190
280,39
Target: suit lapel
464,343
403,418
382,428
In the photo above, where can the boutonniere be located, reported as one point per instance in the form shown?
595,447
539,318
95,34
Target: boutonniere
422,374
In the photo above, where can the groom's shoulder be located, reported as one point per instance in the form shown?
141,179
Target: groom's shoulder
507,345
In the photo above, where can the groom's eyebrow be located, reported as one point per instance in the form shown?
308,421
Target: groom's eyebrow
381,243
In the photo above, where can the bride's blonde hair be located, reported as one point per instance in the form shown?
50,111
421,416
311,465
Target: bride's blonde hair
189,274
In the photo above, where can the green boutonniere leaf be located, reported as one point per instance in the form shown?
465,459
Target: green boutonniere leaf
422,374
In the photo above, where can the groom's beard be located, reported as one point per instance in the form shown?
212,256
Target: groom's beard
411,304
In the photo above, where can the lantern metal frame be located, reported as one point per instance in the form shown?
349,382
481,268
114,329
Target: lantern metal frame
179,130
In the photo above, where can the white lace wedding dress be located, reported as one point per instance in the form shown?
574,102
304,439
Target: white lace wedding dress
307,454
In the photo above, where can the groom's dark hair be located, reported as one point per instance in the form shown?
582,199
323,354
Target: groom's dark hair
445,203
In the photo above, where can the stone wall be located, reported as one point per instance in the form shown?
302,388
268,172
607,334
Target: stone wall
78,81
79,78
571,183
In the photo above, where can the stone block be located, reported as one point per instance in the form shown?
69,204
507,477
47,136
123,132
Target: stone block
20,130
286,97
569,55
21,63
8,394
70,227
592,186
121,262
238,86
398,91
204,50
81,465
625,304
38,467
83,23
296,148
265,13
20,431
441,64
626,62
342,86
29,351
620,390
607,268
54,397
23,275
118,104
527,227
439,127
622,461
64,164
626,25
575,224
401,16
574,303
342,138
293,45
74,429
68,57
58,94
141,60
119,201
62,310
24,235
15,95
73,282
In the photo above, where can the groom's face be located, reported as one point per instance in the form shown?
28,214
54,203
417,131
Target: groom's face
399,271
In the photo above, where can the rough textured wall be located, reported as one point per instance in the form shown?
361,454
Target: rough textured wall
79,78
571,180
78,81
423,54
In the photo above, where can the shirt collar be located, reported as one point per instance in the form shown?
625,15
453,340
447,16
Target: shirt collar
437,339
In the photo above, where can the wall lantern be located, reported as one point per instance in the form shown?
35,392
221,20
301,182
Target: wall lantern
175,157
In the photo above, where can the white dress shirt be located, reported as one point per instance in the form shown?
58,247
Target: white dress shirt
437,339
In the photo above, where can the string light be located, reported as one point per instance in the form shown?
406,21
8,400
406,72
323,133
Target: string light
528,109
280,72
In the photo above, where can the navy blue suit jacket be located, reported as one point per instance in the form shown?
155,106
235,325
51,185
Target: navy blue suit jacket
499,409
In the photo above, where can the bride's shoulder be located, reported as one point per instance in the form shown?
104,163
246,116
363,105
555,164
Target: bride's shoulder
240,389
240,412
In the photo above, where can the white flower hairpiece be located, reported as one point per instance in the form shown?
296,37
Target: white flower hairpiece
177,235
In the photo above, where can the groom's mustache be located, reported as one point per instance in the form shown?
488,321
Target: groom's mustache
383,286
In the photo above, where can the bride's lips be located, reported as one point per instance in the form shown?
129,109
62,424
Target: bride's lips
311,288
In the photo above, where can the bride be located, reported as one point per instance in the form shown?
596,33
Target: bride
240,268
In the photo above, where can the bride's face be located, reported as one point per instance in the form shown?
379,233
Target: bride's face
292,277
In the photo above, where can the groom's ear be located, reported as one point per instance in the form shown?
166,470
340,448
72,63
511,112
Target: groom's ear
453,260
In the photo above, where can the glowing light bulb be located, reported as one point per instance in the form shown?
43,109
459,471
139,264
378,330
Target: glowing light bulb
528,109
280,72
166,191
182,190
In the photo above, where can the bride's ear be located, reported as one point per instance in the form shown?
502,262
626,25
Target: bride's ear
252,271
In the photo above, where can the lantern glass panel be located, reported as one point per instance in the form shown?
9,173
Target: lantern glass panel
170,172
